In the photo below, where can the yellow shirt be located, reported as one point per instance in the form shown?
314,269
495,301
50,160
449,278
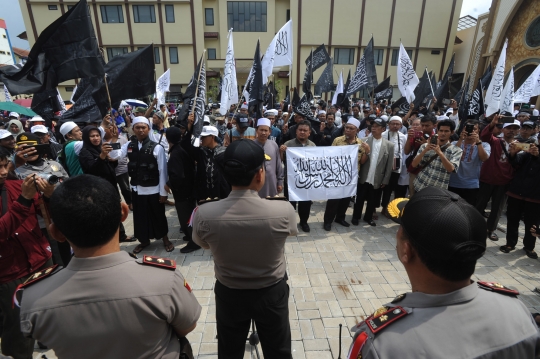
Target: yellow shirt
342,141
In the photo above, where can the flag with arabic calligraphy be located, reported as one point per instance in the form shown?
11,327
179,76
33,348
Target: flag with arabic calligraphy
407,79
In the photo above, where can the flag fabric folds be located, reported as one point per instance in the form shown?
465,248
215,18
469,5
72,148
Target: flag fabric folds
229,92
65,50
254,90
339,89
319,58
365,76
443,90
476,102
507,97
162,85
195,100
407,79
495,88
308,79
325,83
283,52
6,94
422,90
463,101
525,92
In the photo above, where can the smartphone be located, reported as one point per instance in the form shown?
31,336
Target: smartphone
434,139
418,134
42,150
523,146
115,145
506,119
469,128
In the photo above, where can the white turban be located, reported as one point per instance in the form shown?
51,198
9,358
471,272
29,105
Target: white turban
67,127
353,121
264,122
396,118
140,119
271,112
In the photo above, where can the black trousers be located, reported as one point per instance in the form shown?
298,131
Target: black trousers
364,193
335,209
149,220
531,216
389,188
304,207
14,343
123,183
468,194
268,307
401,191
497,193
184,209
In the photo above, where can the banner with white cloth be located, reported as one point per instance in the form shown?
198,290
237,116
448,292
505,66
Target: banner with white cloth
525,92
279,52
229,87
495,88
162,85
507,97
321,173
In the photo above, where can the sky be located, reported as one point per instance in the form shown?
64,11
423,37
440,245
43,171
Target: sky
11,12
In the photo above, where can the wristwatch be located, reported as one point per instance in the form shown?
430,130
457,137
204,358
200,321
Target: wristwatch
479,143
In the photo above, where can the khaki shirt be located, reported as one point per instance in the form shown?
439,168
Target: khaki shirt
467,323
342,141
247,237
109,307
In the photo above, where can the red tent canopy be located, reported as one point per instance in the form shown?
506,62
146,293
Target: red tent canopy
24,102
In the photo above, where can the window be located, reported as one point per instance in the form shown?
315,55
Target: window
173,55
378,55
169,13
53,7
5,37
2,52
144,13
209,16
211,54
157,60
115,51
246,16
344,56
395,56
69,89
9,53
112,14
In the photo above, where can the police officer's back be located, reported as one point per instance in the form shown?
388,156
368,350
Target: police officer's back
447,315
247,237
105,303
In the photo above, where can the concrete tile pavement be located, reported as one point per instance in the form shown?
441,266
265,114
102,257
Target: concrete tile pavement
336,277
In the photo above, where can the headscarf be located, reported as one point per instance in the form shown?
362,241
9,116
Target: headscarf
93,149
19,125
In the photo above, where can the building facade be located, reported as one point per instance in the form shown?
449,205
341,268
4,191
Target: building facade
181,29
7,57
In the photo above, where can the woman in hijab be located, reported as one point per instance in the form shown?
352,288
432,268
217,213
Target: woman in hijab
15,127
94,159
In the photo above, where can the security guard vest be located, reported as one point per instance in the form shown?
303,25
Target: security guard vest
143,167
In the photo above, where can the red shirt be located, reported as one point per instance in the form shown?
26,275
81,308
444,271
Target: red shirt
497,170
23,248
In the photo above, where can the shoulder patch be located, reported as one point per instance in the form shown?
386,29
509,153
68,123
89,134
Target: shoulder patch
381,319
159,262
276,198
356,350
203,201
36,277
497,287
399,298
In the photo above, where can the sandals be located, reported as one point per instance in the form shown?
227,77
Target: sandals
169,247
140,248
507,249
531,253
128,239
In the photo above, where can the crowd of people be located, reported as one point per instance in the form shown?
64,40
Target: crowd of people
146,154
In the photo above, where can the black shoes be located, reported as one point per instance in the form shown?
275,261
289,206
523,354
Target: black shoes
190,247
493,236
343,222
327,226
305,227
371,222
354,221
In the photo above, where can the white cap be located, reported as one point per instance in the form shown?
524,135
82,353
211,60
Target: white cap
37,119
13,114
5,134
39,128
206,119
533,106
385,118
244,106
271,112
67,127
443,117
396,118
136,120
263,122
209,131
515,123
353,121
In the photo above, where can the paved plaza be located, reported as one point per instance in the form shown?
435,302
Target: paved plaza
336,277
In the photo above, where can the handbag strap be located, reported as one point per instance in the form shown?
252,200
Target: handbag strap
432,158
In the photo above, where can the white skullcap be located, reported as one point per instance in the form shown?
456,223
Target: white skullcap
13,114
353,121
244,106
396,118
140,119
385,118
271,112
263,122
37,119
321,112
39,128
67,127
285,113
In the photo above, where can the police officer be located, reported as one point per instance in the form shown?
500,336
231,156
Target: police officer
247,237
447,315
105,303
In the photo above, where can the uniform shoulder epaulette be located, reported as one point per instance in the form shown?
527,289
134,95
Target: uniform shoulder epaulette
497,287
35,277
383,317
399,298
203,201
166,263
276,198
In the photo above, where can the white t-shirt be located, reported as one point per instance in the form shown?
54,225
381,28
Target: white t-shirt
373,157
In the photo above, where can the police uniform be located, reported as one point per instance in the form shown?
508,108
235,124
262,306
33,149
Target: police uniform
247,236
111,306
482,320
47,167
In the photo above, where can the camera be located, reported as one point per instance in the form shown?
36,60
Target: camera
434,139
469,128
50,178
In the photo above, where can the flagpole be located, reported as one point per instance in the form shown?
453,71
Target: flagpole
429,79
198,79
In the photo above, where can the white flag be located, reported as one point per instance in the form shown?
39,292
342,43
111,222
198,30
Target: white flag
283,55
73,94
339,88
536,82
162,86
61,102
407,79
524,93
495,88
507,97
229,87
6,94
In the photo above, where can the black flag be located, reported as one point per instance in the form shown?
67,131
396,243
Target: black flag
320,57
443,91
303,107
192,104
295,99
286,103
365,76
476,102
308,80
422,90
254,85
65,50
383,85
402,104
383,90
486,77
129,75
84,110
326,81
343,99
463,102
